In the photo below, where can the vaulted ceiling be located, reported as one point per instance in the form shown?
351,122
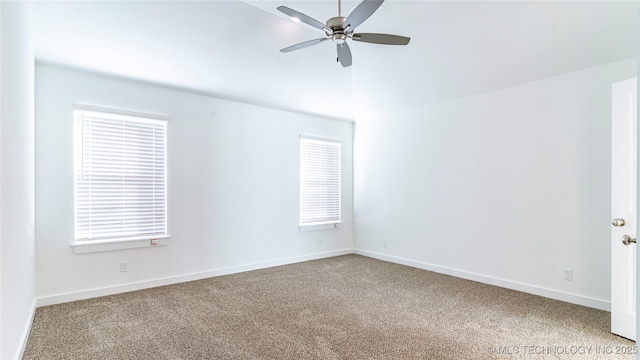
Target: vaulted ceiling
229,49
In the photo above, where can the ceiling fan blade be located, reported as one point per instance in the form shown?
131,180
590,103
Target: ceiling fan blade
303,45
304,18
361,13
385,39
344,54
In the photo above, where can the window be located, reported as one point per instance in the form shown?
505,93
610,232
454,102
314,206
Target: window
120,177
320,180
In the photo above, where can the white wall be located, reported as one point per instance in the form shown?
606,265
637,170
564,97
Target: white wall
508,187
16,180
232,194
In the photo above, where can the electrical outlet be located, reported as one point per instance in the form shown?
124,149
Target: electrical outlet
320,242
568,274
384,243
124,266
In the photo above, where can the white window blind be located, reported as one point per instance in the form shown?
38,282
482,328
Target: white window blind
120,177
320,198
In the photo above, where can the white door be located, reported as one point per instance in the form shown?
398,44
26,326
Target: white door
623,208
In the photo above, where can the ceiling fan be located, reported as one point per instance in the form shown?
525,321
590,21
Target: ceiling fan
341,28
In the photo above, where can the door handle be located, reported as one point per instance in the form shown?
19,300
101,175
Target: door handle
617,222
627,239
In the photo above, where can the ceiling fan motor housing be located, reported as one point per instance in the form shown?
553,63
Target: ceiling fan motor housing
337,31
335,23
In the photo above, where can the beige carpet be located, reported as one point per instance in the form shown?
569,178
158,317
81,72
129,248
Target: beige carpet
347,307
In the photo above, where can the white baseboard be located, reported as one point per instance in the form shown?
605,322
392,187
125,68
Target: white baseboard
509,284
25,332
111,290
513,285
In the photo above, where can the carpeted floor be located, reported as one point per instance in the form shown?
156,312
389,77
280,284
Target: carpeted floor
347,307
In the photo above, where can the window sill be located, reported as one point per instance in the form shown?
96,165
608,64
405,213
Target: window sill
320,226
112,245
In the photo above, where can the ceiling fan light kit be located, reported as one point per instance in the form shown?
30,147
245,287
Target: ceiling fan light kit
340,29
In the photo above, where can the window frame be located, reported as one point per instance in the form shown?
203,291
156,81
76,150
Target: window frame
320,225
80,246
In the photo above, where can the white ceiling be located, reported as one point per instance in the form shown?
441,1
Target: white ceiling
225,48
229,49
459,49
